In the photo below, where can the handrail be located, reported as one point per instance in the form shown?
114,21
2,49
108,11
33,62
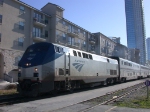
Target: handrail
8,78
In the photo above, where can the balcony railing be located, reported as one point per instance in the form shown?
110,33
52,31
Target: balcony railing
92,40
61,39
22,12
39,37
39,22
8,78
73,33
76,44
83,47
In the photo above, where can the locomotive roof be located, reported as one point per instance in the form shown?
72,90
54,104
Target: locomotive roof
95,57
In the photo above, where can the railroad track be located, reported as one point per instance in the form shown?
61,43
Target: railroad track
115,98
88,105
10,100
104,99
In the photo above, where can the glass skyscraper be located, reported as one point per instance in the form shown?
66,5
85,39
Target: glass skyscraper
135,27
148,48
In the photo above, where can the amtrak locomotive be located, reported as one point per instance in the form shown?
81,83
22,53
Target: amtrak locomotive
47,67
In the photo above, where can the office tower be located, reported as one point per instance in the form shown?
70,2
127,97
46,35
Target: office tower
148,48
135,27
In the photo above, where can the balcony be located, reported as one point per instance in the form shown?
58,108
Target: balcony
61,39
92,51
73,33
92,41
83,47
38,37
76,44
39,22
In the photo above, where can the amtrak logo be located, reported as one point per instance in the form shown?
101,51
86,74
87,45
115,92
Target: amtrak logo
78,65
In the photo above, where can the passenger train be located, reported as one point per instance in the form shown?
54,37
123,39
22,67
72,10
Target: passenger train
48,67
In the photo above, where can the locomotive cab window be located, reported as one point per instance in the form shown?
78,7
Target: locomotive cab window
74,53
58,49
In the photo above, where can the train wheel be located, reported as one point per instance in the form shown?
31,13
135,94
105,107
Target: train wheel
112,81
35,92
105,83
72,86
54,92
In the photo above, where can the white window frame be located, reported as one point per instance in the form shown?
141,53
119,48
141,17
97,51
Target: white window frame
84,34
64,24
57,20
69,40
78,30
22,9
20,41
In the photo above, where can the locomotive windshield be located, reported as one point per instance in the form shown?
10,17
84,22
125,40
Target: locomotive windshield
38,49
34,55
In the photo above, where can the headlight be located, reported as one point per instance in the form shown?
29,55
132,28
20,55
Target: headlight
27,64
19,70
35,69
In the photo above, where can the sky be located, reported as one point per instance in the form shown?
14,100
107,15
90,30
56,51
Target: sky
105,16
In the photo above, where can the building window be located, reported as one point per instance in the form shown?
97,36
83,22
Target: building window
69,40
38,17
64,23
1,18
83,34
79,41
20,41
22,9
46,20
46,33
0,37
1,2
69,28
73,41
84,44
78,30
57,20
37,32
92,48
63,34
21,25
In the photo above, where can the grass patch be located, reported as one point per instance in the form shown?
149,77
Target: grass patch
8,92
136,103
9,89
